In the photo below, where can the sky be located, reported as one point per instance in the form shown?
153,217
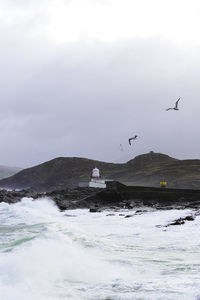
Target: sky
79,77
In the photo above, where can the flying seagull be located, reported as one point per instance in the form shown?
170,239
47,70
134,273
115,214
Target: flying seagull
175,107
132,138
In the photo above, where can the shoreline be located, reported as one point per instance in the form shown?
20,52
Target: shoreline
115,196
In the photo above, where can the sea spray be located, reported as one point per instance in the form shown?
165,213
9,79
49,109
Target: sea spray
46,254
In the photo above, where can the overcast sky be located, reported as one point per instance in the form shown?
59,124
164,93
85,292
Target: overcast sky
79,77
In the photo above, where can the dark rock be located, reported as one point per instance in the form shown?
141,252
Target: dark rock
110,215
181,221
129,216
139,212
130,206
177,222
94,210
189,218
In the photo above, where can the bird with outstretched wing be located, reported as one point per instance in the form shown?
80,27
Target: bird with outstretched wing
132,138
175,107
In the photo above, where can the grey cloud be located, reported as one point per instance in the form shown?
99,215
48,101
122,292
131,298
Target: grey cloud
84,99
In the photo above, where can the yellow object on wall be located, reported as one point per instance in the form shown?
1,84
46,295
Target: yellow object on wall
163,183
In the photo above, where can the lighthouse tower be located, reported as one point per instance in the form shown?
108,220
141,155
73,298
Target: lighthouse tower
96,180
95,173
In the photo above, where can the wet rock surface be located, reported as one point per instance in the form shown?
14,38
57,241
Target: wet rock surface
15,196
181,221
119,197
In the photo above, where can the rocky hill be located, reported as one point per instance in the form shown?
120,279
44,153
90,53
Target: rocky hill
144,170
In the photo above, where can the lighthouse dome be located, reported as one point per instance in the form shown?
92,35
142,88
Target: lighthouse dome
95,173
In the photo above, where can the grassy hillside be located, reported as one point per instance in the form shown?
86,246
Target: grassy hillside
147,170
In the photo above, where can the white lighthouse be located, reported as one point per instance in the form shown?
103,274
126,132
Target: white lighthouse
96,181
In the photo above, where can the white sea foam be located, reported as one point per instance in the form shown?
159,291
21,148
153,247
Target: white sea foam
45,254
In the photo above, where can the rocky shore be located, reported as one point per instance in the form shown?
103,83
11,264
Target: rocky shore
135,200
116,196
132,200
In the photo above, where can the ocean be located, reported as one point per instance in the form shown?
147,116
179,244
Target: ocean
46,254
